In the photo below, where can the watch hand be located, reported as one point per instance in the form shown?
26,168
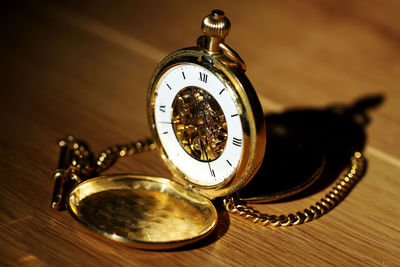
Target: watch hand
208,162
209,165
168,122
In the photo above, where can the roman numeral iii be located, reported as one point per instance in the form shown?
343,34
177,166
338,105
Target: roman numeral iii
237,141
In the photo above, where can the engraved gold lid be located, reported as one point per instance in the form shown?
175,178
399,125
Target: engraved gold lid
142,211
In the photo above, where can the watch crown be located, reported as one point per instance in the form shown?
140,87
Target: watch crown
216,24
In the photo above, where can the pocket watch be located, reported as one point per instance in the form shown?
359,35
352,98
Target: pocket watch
209,129
208,126
205,115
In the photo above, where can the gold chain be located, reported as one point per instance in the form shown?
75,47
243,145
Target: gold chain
339,191
109,155
81,158
80,164
77,164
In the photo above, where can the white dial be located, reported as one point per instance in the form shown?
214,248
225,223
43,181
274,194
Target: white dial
198,124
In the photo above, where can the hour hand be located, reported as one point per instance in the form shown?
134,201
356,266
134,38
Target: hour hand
203,151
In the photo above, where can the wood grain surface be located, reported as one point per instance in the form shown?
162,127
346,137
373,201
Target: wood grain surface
84,68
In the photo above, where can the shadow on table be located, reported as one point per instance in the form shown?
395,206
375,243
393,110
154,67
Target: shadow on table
306,148
303,142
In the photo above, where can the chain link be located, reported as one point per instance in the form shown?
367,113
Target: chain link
344,185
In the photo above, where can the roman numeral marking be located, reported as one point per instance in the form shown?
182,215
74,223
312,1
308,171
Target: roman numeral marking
162,108
234,115
212,173
165,133
169,87
222,91
237,141
203,77
229,163
183,74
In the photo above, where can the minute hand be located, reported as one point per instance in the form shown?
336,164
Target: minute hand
208,161
175,123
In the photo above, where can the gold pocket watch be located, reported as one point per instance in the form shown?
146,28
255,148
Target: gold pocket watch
209,128
206,118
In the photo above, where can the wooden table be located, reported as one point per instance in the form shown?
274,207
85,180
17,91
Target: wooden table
84,70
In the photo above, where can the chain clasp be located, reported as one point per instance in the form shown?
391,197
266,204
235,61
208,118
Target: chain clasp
74,166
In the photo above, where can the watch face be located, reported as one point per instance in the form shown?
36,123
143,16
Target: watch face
198,124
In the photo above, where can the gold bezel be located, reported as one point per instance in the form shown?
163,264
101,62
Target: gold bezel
246,102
